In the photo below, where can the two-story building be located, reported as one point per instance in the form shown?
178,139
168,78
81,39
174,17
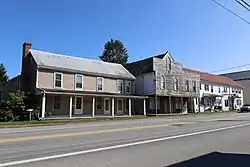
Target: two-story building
218,92
170,88
78,87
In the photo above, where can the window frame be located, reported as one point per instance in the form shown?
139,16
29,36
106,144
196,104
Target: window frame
76,81
187,85
117,85
212,88
194,86
169,64
102,83
162,82
130,86
56,73
176,84
225,89
219,91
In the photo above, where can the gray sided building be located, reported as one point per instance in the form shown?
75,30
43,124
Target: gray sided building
243,78
170,88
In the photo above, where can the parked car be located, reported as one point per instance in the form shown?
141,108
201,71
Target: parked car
245,108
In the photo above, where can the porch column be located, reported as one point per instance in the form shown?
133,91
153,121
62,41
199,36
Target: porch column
70,107
93,107
43,105
129,107
144,107
181,104
170,107
113,107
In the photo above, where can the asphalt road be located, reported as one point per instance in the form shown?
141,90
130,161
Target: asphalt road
205,140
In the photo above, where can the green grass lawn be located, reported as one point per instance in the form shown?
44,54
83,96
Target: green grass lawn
84,120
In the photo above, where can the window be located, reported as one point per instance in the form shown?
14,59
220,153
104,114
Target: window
169,67
238,102
99,102
225,89
226,102
99,83
58,79
176,85
187,86
196,101
219,90
239,90
233,90
57,102
194,86
79,81
128,86
162,82
212,88
119,86
206,87
200,86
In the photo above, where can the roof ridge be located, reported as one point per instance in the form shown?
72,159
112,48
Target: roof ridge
82,58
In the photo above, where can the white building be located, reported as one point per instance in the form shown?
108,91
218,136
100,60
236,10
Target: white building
218,92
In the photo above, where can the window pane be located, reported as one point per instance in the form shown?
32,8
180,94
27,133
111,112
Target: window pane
99,83
99,103
78,103
106,104
119,86
128,87
58,76
79,79
58,84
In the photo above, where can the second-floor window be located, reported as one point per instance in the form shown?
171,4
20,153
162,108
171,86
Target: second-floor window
58,79
187,86
239,90
162,82
119,86
176,84
169,64
206,87
225,89
233,90
79,81
219,90
99,83
212,88
194,86
128,86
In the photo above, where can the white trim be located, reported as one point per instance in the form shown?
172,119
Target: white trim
93,107
113,107
117,85
37,72
55,79
97,84
76,80
129,107
70,107
43,105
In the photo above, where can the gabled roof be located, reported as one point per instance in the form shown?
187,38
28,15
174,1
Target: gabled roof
236,76
139,67
215,78
77,64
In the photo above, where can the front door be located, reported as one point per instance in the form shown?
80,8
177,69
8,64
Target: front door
106,106
78,105
119,107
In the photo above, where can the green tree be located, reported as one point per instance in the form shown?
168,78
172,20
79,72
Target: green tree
3,74
114,52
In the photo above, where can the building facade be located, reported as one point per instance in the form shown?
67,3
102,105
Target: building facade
219,92
77,87
170,89
243,78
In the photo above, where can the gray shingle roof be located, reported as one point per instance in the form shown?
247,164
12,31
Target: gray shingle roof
77,64
236,76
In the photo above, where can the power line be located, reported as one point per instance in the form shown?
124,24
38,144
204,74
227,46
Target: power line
230,68
240,2
230,11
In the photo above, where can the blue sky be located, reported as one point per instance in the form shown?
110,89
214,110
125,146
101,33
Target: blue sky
198,33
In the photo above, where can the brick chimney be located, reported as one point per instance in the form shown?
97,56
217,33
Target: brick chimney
25,65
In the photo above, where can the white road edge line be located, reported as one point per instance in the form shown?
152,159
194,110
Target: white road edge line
118,146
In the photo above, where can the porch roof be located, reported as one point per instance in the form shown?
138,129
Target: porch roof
85,93
211,95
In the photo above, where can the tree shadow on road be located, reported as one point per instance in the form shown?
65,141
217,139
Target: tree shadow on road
216,159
